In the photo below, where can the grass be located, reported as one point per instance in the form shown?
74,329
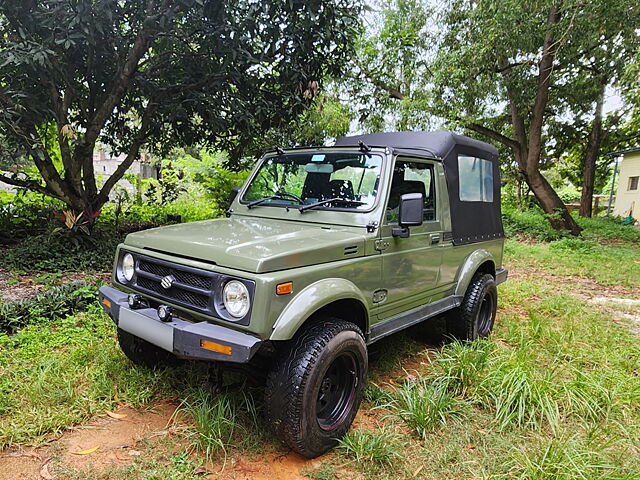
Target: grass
553,394
364,447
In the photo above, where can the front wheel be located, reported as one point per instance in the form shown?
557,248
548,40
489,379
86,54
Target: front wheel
475,317
143,353
316,386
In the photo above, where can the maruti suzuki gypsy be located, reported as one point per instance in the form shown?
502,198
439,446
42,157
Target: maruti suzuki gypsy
324,251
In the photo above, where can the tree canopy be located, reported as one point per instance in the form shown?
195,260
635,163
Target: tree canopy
77,74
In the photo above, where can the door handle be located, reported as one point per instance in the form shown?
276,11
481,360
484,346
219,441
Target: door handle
435,239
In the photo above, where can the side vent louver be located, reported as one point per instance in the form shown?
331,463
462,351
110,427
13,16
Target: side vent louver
351,250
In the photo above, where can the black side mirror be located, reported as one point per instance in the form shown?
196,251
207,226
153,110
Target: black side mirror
234,194
409,214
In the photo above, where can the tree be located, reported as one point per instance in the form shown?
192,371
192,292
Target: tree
126,75
388,79
503,65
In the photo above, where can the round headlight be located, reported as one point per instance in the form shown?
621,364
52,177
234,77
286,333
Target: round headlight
127,267
236,298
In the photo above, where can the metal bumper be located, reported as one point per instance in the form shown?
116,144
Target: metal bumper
202,340
501,275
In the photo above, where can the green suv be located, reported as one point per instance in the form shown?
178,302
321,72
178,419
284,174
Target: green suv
324,251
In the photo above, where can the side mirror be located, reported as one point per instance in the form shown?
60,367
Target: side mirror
234,193
409,214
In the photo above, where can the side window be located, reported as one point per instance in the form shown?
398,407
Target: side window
412,177
475,176
633,183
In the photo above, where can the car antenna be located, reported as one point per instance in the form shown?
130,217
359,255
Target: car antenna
279,151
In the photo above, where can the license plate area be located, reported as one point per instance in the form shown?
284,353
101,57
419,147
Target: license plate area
152,330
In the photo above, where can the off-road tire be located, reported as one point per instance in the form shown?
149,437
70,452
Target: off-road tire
475,317
296,391
143,353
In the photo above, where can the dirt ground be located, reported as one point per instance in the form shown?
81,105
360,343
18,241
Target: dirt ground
20,287
116,439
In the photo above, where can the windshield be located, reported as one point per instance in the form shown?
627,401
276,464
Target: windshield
307,178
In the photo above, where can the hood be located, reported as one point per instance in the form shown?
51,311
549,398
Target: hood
253,244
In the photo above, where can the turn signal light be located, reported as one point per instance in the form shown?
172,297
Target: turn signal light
216,347
106,302
284,288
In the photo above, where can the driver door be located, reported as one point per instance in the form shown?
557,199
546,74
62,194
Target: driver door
410,266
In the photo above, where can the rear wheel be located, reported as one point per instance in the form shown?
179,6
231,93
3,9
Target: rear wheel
143,353
475,317
316,386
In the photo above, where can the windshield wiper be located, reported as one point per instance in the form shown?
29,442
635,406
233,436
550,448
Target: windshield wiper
277,196
329,200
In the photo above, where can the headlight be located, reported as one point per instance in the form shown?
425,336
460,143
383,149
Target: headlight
127,267
236,298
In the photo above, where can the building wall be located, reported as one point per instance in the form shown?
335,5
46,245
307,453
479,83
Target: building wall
628,200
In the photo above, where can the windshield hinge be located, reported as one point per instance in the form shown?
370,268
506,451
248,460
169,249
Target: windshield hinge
371,226
381,244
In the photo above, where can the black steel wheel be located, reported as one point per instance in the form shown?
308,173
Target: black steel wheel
316,385
477,314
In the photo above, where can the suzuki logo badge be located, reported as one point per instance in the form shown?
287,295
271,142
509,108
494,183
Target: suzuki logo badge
167,281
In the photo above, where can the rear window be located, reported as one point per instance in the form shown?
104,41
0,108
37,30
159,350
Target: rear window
475,178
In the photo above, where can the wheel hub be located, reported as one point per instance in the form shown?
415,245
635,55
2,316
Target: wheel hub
337,391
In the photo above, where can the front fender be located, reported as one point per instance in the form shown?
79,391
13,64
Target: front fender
470,267
310,300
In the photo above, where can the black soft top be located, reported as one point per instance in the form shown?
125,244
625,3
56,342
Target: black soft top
471,221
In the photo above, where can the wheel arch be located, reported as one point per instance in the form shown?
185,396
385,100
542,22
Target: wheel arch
336,297
480,260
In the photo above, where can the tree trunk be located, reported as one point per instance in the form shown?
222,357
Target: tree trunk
551,203
591,155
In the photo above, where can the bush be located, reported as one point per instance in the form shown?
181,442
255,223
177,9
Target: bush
532,223
65,252
57,302
25,213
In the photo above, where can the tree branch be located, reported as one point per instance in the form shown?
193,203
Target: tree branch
134,150
28,184
497,136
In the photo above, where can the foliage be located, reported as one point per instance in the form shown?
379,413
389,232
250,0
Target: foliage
381,447
220,421
390,73
54,303
426,406
122,75
64,251
25,214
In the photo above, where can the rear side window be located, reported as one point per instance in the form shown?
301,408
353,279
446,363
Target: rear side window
475,178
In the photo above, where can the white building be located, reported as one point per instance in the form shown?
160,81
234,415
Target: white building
628,194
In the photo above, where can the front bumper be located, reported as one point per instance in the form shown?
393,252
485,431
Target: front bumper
501,275
202,340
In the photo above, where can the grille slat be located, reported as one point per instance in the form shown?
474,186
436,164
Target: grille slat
151,273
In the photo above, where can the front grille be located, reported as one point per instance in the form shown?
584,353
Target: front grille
174,293
188,278
191,287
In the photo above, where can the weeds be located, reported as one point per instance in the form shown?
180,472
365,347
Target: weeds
219,419
571,458
426,406
363,447
57,302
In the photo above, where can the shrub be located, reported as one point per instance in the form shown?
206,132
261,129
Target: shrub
532,223
64,252
57,302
